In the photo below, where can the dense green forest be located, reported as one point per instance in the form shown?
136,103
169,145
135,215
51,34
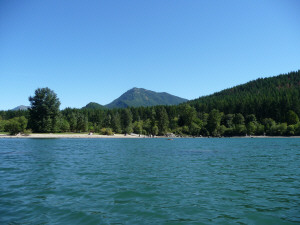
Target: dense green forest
268,106
264,97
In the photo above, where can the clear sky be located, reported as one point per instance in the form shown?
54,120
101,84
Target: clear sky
96,50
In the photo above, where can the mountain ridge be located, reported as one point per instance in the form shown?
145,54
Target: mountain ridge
265,97
136,97
93,105
21,107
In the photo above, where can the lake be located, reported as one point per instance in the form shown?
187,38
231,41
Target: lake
150,181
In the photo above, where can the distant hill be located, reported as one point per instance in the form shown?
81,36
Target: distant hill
136,97
93,105
21,107
265,97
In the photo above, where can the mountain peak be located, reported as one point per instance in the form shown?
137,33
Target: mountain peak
93,105
135,89
21,107
136,97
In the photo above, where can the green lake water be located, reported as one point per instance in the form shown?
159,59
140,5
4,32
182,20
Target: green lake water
150,181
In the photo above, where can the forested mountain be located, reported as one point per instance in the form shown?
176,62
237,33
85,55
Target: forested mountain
136,97
93,105
265,97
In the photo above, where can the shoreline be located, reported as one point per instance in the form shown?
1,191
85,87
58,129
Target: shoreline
131,136
69,136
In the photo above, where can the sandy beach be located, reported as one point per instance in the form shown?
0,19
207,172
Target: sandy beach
70,136
78,135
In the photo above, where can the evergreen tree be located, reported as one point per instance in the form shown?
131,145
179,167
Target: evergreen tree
153,127
44,111
162,120
82,123
73,122
116,123
187,115
126,120
138,127
107,121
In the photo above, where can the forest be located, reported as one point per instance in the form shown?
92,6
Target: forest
266,106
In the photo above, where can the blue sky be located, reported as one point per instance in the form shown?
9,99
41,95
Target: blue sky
96,50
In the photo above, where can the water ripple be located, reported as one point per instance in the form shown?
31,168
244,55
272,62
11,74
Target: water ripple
150,181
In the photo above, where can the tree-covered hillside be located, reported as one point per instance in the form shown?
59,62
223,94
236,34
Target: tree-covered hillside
265,97
93,105
137,97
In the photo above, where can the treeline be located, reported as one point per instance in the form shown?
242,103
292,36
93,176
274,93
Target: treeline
269,106
180,120
157,120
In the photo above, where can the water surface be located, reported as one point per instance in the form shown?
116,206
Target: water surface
150,181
